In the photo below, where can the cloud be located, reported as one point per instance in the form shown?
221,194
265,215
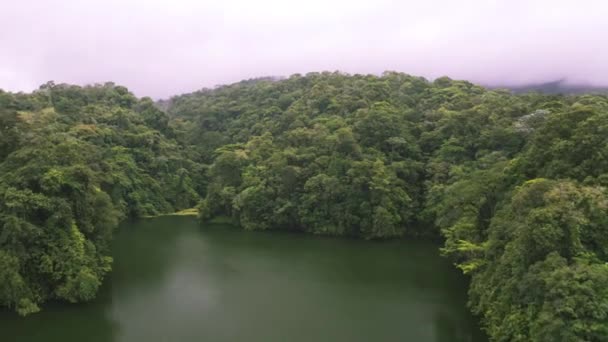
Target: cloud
159,48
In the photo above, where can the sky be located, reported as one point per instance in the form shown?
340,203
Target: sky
162,48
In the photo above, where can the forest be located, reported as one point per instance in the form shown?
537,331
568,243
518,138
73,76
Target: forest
513,185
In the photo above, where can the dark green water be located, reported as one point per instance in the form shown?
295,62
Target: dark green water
175,281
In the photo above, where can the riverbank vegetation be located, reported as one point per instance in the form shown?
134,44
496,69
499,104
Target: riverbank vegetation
75,161
514,184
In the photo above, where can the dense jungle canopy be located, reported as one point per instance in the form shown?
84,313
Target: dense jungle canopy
514,185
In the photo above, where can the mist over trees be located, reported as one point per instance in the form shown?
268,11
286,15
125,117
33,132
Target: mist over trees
512,184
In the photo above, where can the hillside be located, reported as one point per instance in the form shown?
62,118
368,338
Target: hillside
514,184
561,86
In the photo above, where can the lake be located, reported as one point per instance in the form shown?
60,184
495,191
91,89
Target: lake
174,280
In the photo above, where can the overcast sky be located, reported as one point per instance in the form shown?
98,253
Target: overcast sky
160,48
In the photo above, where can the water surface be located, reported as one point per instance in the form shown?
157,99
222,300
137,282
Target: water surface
176,281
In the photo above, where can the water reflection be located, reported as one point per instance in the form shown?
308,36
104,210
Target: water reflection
174,281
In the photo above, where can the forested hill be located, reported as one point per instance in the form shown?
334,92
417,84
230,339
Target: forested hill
514,184
561,86
73,162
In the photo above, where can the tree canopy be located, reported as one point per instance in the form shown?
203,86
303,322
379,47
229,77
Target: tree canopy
513,184
74,162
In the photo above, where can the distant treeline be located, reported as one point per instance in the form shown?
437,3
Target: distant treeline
557,87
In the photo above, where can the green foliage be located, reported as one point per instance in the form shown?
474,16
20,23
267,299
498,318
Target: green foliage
514,184
74,161
545,250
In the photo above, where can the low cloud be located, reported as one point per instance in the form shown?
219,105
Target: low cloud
159,48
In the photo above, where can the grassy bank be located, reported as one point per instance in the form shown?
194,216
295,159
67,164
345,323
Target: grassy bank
186,212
